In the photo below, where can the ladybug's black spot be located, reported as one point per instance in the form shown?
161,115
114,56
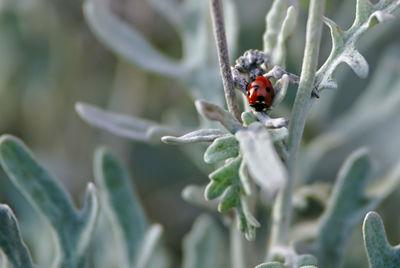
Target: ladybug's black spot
268,89
260,98
255,88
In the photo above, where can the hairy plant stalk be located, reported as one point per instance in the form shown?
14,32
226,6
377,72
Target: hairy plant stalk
223,57
236,247
302,104
237,244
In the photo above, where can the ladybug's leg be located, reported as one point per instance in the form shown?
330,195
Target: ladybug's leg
277,72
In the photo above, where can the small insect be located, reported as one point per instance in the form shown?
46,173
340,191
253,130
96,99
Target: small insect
251,75
260,93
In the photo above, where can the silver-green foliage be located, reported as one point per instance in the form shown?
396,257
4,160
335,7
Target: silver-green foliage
203,245
346,208
288,258
353,196
198,68
135,243
119,204
11,243
360,118
134,128
72,228
280,23
380,252
241,151
344,42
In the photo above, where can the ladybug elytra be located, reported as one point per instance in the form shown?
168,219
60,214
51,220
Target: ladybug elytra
260,93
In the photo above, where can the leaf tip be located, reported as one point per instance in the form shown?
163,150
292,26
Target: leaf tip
8,138
91,188
81,109
99,154
371,216
5,210
362,152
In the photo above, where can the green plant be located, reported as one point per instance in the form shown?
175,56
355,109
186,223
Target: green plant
255,157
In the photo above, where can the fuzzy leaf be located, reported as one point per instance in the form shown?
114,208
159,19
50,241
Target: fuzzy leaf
227,179
192,23
11,242
202,246
316,192
360,118
149,250
230,199
260,156
270,265
121,125
248,118
356,61
194,194
273,21
214,189
363,9
245,179
247,223
221,149
278,134
120,203
216,113
345,210
280,23
276,126
191,20
73,228
87,218
168,9
336,34
222,178
121,38
281,89
290,258
198,67
343,43
269,122
288,26
306,260
380,253
201,135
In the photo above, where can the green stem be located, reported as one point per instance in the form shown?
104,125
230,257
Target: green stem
223,56
302,104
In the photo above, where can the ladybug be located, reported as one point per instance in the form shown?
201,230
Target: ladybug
260,93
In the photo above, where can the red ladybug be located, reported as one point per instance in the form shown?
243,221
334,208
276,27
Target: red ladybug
260,93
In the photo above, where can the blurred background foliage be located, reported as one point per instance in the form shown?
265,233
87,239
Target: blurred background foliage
49,60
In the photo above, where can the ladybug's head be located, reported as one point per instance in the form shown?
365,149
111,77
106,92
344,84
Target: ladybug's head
260,93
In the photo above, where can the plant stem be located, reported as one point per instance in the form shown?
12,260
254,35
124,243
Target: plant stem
302,104
238,259
236,238
223,57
